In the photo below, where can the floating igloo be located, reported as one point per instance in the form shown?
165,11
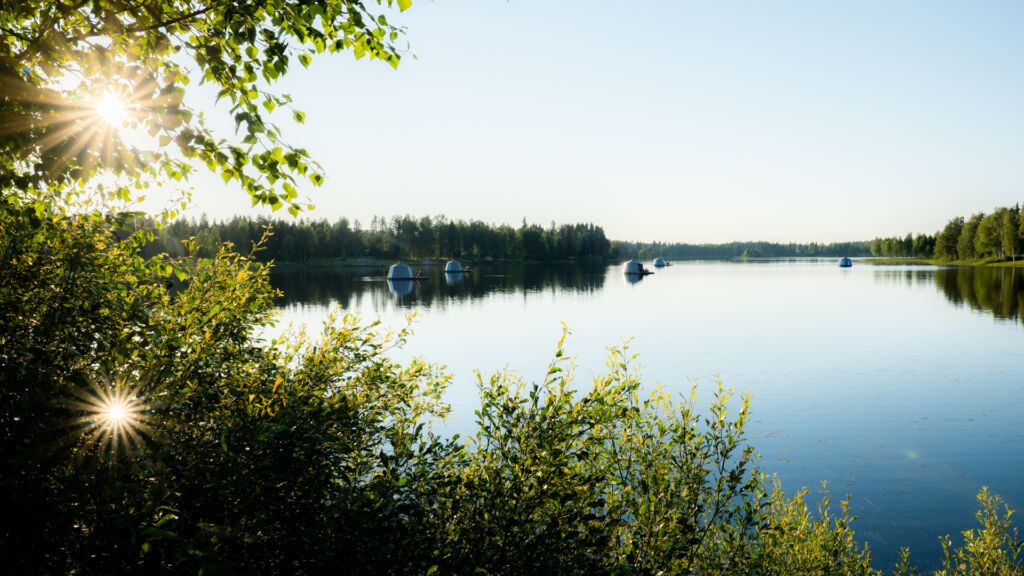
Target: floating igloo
633,267
453,267
399,271
659,262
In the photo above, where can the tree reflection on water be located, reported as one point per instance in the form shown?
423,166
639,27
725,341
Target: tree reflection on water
999,291
996,290
348,285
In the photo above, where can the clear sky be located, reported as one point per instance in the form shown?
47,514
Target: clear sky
671,120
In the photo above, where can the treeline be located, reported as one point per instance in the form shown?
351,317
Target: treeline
400,237
998,235
649,250
407,237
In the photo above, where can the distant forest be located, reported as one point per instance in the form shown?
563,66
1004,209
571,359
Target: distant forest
995,236
648,251
401,237
406,237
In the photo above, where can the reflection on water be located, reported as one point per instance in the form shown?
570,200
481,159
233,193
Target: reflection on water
401,287
997,291
890,382
348,286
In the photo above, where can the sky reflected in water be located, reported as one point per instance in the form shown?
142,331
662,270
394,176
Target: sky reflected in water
899,385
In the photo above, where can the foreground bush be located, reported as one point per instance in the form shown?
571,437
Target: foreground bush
143,429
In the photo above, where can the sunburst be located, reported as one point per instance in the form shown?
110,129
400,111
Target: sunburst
112,110
114,416
77,130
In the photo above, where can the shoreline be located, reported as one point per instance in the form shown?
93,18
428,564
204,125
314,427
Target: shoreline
951,263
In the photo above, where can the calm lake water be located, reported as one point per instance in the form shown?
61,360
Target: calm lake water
898,385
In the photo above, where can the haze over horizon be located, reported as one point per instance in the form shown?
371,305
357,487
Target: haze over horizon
671,121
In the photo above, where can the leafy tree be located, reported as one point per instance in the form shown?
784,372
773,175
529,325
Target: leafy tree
988,240
946,241
1011,238
965,243
1020,217
61,62
907,245
923,246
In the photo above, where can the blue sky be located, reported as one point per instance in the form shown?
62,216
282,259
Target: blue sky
671,120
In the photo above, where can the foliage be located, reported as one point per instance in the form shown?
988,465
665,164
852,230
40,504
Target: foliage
946,240
648,251
965,244
796,541
401,237
58,60
600,481
992,237
919,246
988,237
992,550
1010,238
291,457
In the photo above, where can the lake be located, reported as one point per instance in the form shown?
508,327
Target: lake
898,385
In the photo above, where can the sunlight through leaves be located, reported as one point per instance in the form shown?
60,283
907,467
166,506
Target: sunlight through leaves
112,110
115,416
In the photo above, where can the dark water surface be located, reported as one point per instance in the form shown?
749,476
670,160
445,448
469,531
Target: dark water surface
899,385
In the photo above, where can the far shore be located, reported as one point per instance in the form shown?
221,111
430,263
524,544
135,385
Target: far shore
936,262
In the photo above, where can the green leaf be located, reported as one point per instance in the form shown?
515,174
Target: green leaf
159,533
300,117
404,5
305,60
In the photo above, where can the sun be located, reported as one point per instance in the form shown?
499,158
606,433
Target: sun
112,110
113,416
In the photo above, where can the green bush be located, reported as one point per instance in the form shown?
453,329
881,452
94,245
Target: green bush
287,458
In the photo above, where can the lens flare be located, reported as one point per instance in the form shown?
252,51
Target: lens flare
112,110
114,416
